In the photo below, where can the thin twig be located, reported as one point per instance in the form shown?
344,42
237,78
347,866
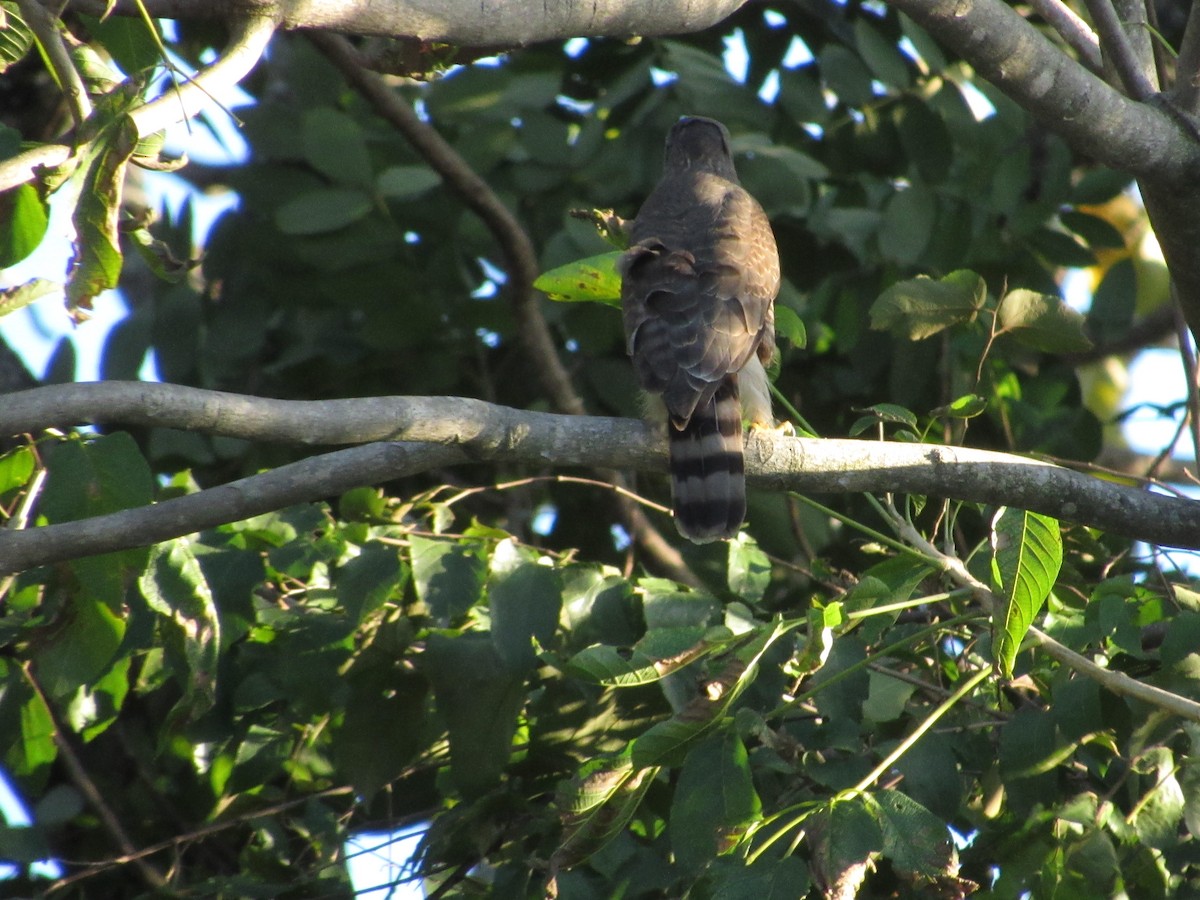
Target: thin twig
87,787
1190,374
1118,48
1117,682
46,28
138,856
247,41
1072,29
905,745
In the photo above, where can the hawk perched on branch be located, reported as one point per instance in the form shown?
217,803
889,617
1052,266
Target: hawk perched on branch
698,285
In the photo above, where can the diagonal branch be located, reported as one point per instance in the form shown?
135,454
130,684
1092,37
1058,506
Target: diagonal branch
87,787
443,431
45,28
247,42
1119,49
1117,682
1092,116
1072,29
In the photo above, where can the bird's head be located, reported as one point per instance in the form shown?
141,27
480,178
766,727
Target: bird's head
699,144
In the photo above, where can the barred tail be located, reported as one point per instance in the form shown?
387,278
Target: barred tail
707,469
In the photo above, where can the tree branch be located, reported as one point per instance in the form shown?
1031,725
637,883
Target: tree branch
1118,48
1072,29
87,787
1186,90
443,431
496,23
1088,113
246,45
45,27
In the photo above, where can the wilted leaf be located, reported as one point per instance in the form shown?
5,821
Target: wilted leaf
595,278
175,587
597,805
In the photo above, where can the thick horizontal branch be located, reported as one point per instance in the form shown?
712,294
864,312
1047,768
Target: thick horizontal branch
423,433
1091,115
469,23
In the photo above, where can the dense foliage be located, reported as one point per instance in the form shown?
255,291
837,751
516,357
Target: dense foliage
483,648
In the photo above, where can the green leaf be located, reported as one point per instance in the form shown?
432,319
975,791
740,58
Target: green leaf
844,73
95,706
87,478
130,41
908,219
790,327
16,38
1096,231
23,220
368,580
846,836
915,840
321,211
1099,185
764,879
381,730
714,803
334,145
657,655
799,165
81,648
880,54
968,406
525,603
1026,556
447,576
1043,322
16,468
479,697
1158,812
595,278
31,747
406,182
749,571
883,412
922,307
175,587
1114,302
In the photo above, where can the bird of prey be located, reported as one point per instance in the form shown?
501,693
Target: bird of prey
698,287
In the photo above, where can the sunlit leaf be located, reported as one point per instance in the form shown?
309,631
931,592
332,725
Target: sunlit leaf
1043,322
595,278
922,307
1026,556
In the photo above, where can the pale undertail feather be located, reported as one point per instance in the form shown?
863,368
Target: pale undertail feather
708,478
